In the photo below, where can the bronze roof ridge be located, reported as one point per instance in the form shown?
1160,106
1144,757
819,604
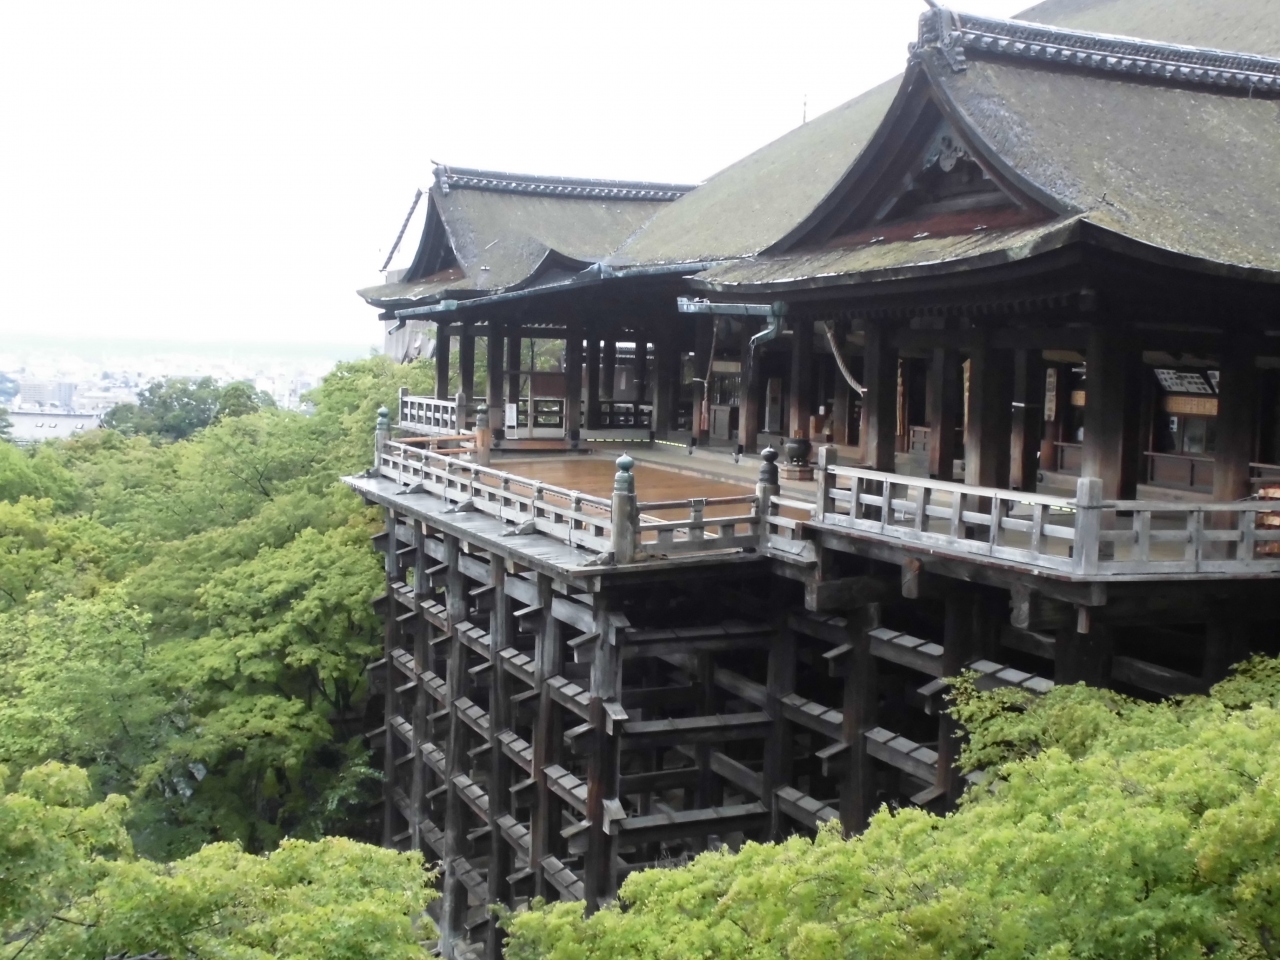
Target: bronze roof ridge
495,181
959,36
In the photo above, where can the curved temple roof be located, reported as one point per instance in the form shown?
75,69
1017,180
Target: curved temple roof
487,231
1155,148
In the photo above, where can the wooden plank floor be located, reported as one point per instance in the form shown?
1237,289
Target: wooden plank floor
594,476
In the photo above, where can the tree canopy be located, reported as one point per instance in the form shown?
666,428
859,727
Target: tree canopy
177,407
1108,829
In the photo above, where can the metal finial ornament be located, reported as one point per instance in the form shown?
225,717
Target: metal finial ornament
623,480
384,418
769,466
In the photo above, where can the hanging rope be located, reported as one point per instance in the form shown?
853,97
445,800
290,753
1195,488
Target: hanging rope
830,329
705,415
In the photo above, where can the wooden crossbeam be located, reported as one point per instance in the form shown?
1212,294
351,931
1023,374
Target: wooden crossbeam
642,734
681,777
567,787
563,879
474,796
674,825
906,650
812,715
804,808
907,755
570,696
473,716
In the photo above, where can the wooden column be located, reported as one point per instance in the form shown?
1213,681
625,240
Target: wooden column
466,365
704,337
858,789
513,378
1057,400
593,382
442,362
421,703
1227,639
1082,650
880,402
501,856
749,399
943,400
544,827
780,681
986,441
390,640
599,880
1112,406
1237,422
609,365
573,381
1028,419
957,650
798,404
666,383
453,910
493,374
640,367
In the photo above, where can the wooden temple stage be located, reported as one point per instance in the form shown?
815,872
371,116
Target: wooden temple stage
1014,321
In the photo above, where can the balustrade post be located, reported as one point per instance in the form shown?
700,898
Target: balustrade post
484,435
766,490
625,519
827,457
381,434
1088,523
460,412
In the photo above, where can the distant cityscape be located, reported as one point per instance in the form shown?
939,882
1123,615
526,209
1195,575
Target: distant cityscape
57,388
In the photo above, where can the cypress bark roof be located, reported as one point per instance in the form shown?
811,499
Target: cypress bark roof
487,232
1160,150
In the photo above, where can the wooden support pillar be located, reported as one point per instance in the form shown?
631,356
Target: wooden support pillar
861,700
749,397
1227,639
466,366
779,748
842,403
1111,414
1082,650
593,382
666,383
943,402
1057,400
513,380
493,376
703,345
454,894
544,827
599,880
957,651
421,702
880,402
573,382
442,362
798,404
609,366
390,640
986,441
1028,419
640,367
1237,422
502,629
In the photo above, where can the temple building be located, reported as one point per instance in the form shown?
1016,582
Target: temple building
977,372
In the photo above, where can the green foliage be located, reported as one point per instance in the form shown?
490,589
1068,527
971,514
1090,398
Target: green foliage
177,407
189,620
1109,829
6,425
71,886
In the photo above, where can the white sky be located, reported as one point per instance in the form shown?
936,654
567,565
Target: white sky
235,170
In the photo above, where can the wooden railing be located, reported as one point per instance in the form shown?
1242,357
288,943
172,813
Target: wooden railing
1083,535
695,532
621,527
432,417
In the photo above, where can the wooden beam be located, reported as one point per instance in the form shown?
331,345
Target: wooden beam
572,382
749,395
680,824
1112,397
1028,419
650,734
442,364
944,401
608,371
986,441
493,376
1237,421
801,378
880,402
593,383
467,365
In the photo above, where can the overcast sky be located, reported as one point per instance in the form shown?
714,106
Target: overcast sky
234,170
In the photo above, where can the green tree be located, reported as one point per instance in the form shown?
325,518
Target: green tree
71,886
171,409
241,398
6,425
